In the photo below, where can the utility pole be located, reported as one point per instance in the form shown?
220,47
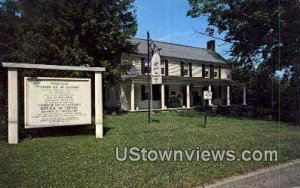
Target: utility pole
149,84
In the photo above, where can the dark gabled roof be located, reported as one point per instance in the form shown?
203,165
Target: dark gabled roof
180,51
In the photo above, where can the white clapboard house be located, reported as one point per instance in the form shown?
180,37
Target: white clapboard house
186,73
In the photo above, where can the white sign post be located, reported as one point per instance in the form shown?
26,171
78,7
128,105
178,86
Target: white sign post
156,77
54,101
207,95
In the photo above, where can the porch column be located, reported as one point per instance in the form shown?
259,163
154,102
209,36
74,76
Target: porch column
209,101
13,129
244,95
188,102
132,97
228,96
162,96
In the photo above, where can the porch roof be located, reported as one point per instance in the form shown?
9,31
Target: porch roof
187,80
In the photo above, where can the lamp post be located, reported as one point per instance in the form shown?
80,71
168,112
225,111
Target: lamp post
149,84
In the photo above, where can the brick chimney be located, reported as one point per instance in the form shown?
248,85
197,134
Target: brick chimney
211,45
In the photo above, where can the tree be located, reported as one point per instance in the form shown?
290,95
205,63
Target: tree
258,30
9,24
265,37
75,32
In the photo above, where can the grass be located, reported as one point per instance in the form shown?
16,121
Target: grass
79,159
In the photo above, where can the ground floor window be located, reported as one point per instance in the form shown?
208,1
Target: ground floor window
156,92
144,93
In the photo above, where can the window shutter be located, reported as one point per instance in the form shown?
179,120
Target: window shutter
203,70
190,70
166,67
182,68
143,65
212,75
219,72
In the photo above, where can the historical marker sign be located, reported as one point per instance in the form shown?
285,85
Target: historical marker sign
155,69
57,101
207,95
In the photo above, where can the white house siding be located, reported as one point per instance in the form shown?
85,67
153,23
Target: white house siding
196,70
174,68
226,74
136,67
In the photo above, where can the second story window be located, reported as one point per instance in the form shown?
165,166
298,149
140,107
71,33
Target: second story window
215,74
144,66
206,74
184,69
147,69
185,72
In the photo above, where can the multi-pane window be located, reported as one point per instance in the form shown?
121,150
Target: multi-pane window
144,66
155,92
215,74
206,74
184,69
147,69
185,72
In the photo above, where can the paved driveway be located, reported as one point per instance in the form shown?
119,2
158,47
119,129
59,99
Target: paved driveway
282,176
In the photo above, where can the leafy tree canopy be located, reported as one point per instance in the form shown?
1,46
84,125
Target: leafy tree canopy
74,32
259,30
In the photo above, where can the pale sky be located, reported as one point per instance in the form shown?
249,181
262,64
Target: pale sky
166,21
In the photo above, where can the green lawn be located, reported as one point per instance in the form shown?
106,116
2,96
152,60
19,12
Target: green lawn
82,160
